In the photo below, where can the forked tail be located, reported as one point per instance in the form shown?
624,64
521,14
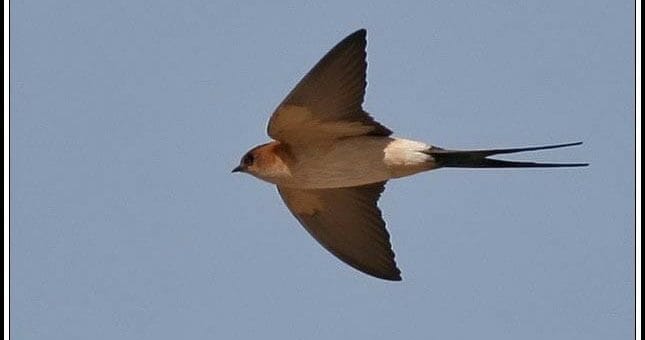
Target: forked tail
479,158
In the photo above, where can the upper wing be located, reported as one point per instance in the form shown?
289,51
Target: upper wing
326,103
348,223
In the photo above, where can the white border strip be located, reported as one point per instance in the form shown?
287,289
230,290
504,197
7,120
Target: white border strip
638,170
6,169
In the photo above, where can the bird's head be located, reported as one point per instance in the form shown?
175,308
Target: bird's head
265,162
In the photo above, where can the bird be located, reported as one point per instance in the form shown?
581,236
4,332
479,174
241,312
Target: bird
330,160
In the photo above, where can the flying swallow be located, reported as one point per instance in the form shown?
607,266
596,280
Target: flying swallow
330,160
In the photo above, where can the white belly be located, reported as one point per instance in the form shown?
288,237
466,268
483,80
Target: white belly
357,161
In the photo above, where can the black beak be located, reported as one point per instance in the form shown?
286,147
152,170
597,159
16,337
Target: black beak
237,169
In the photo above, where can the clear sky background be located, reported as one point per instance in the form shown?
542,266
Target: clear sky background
128,116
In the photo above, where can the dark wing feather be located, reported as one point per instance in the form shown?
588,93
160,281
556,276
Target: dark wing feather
326,103
348,223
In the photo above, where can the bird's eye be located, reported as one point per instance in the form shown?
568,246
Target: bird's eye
248,159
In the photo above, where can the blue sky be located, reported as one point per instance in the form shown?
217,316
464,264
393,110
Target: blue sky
127,117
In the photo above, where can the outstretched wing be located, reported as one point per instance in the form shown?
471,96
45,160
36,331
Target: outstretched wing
326,103
348,223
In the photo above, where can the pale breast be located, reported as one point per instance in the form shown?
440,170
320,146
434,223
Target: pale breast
355,161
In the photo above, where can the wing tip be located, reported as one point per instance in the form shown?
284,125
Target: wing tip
394,278
359,35
360,32
393,274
